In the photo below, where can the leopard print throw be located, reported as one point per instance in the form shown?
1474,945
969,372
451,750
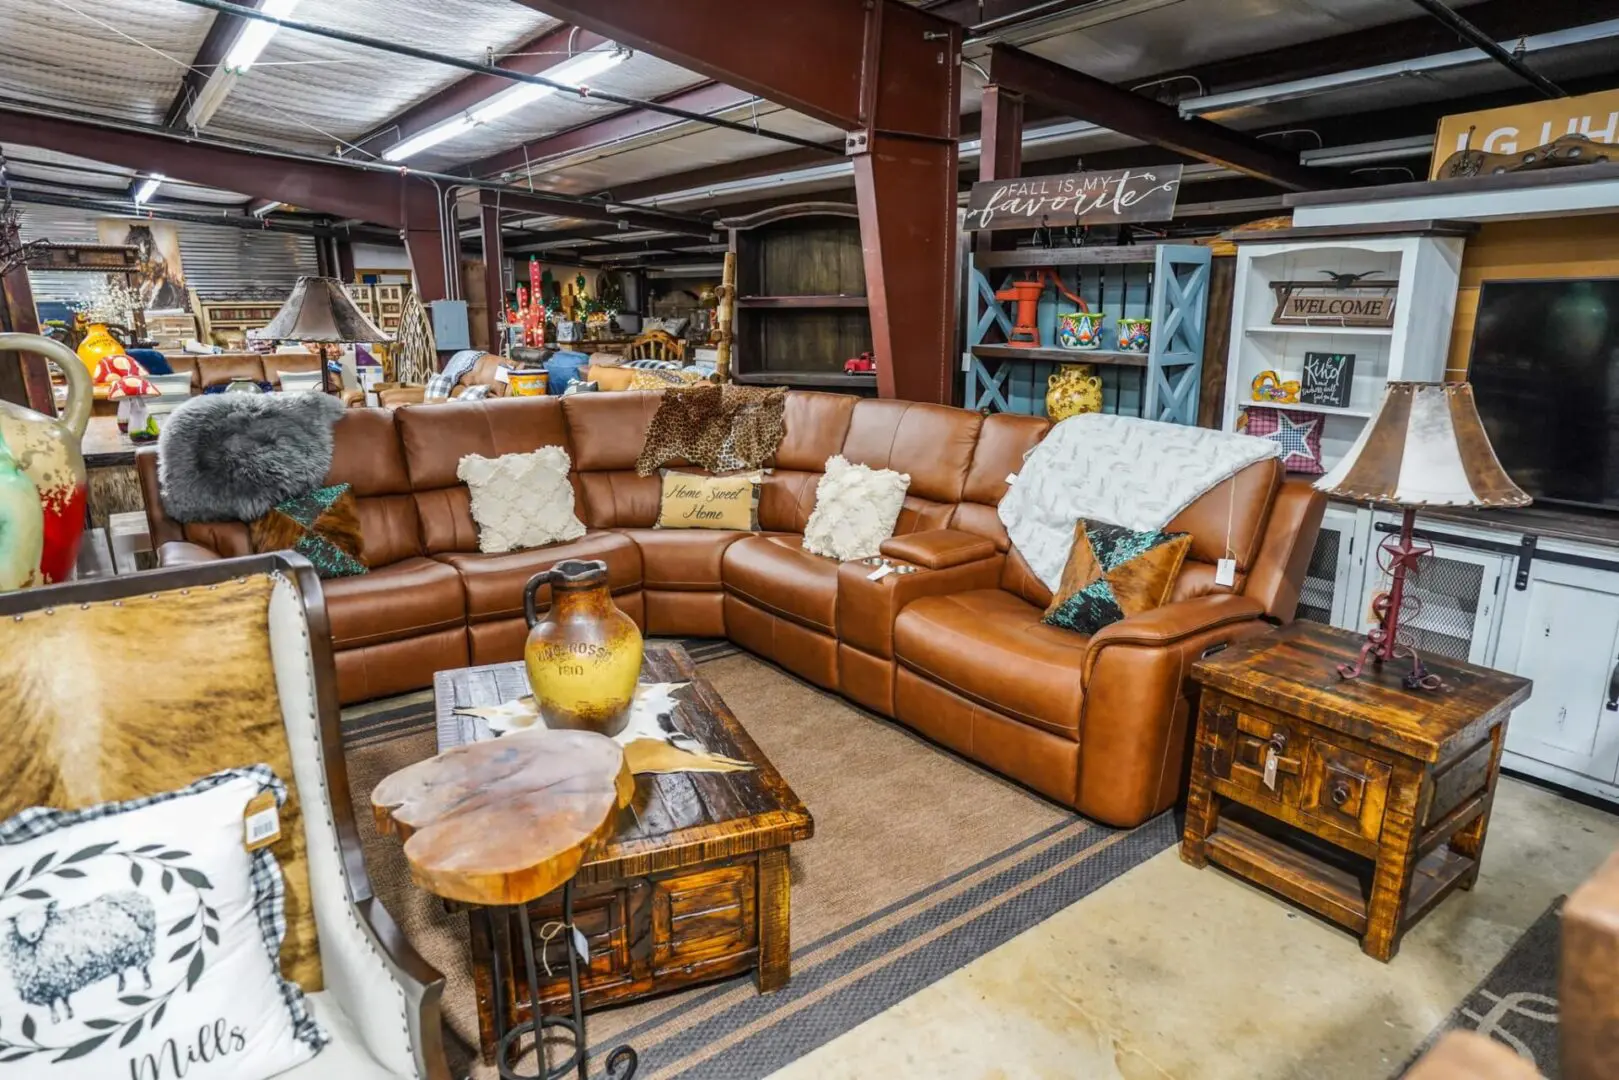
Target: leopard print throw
719,428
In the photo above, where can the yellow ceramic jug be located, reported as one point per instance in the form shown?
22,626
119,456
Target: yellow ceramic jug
1072,390
584,660
98,344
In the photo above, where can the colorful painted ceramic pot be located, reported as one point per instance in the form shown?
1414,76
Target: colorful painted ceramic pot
526,384
1080,329
46,452
584,660
22,526
1135,335
98,345
1072,390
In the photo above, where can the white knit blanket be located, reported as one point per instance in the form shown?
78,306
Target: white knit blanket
1116,469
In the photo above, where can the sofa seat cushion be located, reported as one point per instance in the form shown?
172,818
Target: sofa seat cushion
776,573
990,646
682,560
401,600
345,1057
494,583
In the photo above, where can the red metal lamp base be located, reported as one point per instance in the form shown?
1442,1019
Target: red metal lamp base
1383,640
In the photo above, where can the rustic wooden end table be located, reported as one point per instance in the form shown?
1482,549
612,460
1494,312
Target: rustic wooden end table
1361,800
497,826
691,887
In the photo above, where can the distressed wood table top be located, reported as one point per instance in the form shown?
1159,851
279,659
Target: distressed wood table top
674,819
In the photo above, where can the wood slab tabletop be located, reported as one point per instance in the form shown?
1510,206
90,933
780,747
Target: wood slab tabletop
506,821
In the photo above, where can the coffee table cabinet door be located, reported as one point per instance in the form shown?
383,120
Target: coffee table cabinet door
705,919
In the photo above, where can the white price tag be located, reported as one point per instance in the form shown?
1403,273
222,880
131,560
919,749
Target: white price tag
503,374
261,822
1011,478
580,945
881,572
1225,572
1270,768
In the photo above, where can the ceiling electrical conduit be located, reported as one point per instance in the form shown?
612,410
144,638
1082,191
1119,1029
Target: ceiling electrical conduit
227,8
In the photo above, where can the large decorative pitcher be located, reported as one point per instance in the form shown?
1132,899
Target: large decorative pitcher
584,660
1074,389
45,452
98,345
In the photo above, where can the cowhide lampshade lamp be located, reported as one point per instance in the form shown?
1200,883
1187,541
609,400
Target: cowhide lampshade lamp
1425,447
320,310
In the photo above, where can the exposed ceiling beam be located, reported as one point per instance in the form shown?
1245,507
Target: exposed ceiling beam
1391,42
1490,47
707,97
533,57
222,34
1088,98
638,219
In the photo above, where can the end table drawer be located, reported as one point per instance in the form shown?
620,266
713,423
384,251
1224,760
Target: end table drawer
1345,789
1317,778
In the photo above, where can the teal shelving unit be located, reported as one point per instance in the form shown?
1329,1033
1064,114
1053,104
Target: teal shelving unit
1168,283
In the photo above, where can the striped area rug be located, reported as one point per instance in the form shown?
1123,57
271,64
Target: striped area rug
920,863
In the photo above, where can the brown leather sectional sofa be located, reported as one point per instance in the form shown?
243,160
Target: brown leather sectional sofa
956,651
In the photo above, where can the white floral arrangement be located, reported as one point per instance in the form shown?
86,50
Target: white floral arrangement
110,302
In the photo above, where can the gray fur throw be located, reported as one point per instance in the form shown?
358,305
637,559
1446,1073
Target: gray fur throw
232,457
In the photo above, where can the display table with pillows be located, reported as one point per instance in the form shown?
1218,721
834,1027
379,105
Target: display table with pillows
953,640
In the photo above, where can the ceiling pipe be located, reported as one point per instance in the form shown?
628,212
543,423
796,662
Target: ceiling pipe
1489,47
490,69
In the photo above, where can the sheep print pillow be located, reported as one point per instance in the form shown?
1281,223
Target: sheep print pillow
141,939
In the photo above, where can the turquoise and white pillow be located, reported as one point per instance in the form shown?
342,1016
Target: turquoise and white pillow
142,939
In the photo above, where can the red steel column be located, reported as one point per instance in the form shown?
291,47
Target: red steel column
1000,140
494,279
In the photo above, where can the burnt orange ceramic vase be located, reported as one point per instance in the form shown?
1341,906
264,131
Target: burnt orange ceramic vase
585,658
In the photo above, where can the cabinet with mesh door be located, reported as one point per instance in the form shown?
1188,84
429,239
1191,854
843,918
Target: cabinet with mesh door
1332,582
1452,609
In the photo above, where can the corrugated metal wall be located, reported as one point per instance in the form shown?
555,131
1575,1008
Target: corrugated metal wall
218,259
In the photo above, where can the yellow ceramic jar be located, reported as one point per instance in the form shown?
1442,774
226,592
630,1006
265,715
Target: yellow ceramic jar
98,344
1072,390
584,660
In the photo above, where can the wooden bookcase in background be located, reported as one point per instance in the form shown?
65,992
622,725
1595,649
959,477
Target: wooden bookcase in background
801,308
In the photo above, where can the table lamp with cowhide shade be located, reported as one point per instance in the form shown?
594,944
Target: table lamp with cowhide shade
320,311
1426,447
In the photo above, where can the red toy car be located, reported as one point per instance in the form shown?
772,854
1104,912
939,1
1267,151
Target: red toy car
864,364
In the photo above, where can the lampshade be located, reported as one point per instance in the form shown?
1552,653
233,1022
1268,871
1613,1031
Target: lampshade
319,310
1425,447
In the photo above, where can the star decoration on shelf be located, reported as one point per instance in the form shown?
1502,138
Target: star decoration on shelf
1294,438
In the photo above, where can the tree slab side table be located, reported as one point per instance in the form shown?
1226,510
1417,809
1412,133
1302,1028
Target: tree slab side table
1358,799
500,824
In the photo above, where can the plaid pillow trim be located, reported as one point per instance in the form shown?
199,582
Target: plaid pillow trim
264,873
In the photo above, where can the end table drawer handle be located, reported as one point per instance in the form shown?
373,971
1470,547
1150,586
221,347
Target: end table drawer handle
1340,793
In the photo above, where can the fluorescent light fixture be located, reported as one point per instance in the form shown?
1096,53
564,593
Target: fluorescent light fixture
256,35
149,188
262,210
572,72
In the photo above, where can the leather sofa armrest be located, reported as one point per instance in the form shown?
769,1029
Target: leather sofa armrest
938,549
162,527
1588,986
1168,624
1467,1055
185,553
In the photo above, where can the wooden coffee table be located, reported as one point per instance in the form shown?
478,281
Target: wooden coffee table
691,887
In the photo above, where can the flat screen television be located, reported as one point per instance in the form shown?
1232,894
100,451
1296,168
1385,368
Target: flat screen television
1545,374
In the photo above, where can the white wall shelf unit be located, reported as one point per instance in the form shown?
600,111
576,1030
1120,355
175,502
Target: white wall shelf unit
1427,269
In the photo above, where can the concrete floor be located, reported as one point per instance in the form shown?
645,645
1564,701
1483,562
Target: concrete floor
1171,972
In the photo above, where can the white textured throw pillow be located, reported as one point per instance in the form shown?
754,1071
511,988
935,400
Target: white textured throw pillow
856,508
141,939
521,500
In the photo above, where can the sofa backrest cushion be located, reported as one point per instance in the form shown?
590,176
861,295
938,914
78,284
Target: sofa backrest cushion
815,426
605,436
1230,517
1003,439
366,456
932,443
220,369
434,439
